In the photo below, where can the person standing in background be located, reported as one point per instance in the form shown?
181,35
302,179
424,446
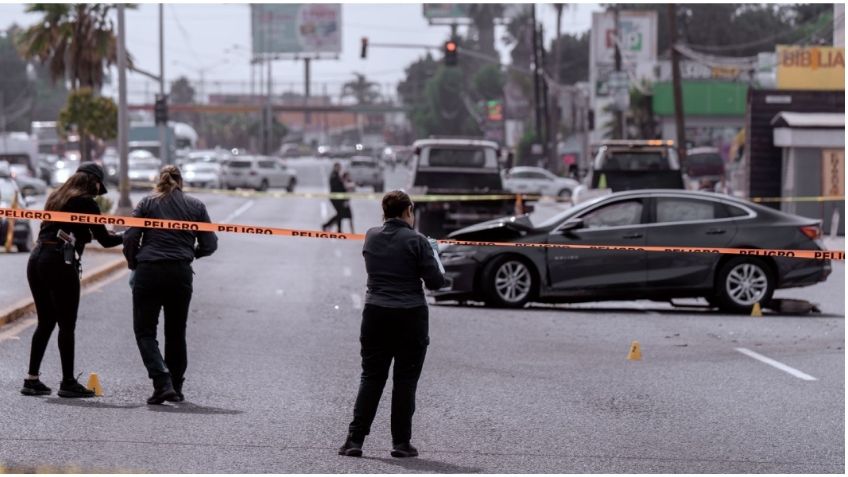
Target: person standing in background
336,186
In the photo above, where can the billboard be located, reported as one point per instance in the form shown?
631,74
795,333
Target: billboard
296,29
811,67
638,37
434,11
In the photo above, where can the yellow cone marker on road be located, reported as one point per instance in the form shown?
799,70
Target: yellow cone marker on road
635,353
94,384
757,311
602,182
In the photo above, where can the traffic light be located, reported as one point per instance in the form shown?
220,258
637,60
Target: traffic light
363,53
451,53
160,109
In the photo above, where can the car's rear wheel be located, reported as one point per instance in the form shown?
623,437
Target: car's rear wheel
292,183
564,195
743,282
508,282
263,186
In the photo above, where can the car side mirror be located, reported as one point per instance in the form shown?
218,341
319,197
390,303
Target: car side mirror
570,225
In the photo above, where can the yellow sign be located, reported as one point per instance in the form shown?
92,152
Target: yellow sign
833,172
811,67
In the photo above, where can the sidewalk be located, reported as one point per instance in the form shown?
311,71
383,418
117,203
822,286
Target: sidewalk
15,296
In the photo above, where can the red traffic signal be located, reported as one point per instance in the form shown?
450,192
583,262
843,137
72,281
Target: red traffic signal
450,52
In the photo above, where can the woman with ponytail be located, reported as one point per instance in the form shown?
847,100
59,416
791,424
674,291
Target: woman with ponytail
162,279
54,271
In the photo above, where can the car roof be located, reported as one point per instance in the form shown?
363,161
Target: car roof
679,192
703,150
528,169
455,142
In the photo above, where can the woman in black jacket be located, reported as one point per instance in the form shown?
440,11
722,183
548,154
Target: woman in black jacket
162,279
54,271
394,323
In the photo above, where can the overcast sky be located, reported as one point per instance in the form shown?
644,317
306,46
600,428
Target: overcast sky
215,39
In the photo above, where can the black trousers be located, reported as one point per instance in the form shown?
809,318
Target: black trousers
338,206
158,286
55,288
390,334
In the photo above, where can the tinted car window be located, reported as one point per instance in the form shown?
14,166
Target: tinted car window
239,164
733,211
520,175
536,176
704,164
615,215
636,161
365,164
266,164
440,157
673,209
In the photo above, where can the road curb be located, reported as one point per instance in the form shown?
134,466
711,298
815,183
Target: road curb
27,306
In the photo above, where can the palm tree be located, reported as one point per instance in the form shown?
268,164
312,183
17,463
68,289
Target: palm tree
77,41
364,91
483,17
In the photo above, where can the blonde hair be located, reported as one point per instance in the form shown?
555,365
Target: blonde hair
170,178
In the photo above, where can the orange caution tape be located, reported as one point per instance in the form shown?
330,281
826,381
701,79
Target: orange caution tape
257,230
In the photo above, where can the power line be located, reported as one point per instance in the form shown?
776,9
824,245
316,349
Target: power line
761,41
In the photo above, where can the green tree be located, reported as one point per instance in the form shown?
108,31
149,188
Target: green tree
488,83
17,92
89,116
76,41
573,58
182,92
362,90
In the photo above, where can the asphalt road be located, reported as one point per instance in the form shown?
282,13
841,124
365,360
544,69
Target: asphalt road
274,365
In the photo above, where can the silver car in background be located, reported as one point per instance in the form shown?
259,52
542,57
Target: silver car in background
366,171
202,174
535,180
258,172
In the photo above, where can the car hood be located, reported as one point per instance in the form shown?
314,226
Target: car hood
500,229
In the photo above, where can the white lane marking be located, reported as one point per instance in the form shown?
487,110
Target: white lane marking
346,271
776,364
323,211
239,211
357,301
14,330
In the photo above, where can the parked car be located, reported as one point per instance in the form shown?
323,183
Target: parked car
622,165
511,277
538,181
456,166
143,168
218,156
27,184
704,168
366,171
202,174
22,235
64,168
258,172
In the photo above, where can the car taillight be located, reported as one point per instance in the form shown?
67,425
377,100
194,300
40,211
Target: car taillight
811,231
253,173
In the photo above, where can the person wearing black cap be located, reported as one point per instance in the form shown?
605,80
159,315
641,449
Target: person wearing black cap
53,272
162,280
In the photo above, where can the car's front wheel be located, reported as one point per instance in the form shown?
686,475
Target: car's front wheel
508,282
292,183
565,195
743,282
263,186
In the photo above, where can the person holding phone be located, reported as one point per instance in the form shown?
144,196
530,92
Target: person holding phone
395,322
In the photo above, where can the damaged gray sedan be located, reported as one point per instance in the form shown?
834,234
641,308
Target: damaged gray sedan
514,276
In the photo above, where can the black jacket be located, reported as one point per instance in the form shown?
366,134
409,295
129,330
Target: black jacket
337,185
397,259
154,245
82,232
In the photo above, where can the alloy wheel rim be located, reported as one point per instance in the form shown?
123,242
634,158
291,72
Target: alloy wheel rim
746,284
513,282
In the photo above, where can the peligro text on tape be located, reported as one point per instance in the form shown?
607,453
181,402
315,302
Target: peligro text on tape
184,225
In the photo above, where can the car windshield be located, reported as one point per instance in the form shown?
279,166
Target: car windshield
143,163
709,163
368,164
562,216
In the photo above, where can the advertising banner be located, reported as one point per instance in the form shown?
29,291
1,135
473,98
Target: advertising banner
811,67
296,29
434,11
638,37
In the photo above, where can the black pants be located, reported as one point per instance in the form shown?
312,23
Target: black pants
157,286
390,334
338,206
55,288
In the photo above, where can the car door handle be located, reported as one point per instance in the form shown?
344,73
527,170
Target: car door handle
636,235
716,231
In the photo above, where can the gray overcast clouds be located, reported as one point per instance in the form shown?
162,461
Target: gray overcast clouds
203,37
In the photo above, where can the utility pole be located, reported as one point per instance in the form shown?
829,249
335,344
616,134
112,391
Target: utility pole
307,117
124,204
548,151
269,124
536,92
619,113
679,123
164,150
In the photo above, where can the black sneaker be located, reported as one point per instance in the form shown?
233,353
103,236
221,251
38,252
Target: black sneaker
71,388
351,448
160,395
34,387
404,450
